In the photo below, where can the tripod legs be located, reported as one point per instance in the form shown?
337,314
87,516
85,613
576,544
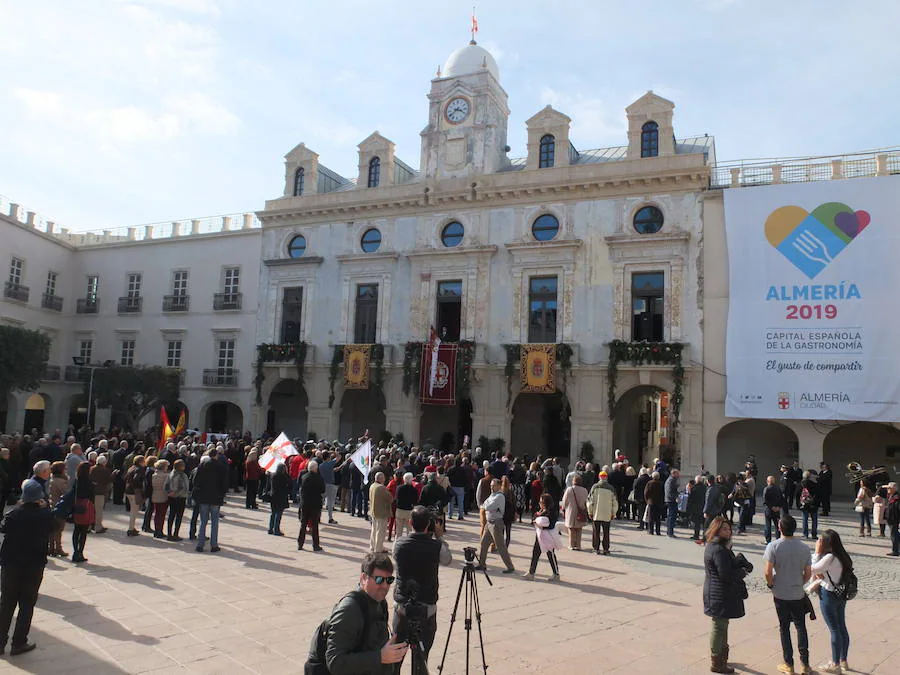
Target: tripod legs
471,605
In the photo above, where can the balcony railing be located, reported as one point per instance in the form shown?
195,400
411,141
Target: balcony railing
50,301
176,303
15,291
220,377
77,374
51,373
87,306
130,304
224,301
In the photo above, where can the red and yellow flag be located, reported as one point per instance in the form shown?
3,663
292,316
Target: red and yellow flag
539,368
182,423
165,429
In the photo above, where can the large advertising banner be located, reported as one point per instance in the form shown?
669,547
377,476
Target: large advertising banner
814,309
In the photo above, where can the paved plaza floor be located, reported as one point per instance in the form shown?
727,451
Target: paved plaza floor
143,605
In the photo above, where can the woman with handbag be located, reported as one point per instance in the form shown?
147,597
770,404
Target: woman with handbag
83,515
546,539
830,563
863,506
574,506
59,486
724,590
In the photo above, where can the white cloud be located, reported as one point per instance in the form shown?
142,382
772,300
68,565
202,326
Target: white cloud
594,122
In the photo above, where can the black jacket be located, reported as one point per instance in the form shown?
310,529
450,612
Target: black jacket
312,487
343,654
417,557
723,586
27,531
826,479
654,493
407,496
773,497
458,477
695,501
433,495
639,485
210,483
280,489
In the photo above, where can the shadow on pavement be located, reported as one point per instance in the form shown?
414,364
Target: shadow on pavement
66,657
625,595
89,619
126,576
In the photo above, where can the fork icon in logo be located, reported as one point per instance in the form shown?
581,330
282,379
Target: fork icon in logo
810,246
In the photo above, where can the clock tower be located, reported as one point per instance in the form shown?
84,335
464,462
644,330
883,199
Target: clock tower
467,117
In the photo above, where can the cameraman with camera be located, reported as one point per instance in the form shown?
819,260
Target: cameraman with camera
418,556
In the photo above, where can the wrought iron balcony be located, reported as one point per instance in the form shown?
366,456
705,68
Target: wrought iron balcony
87,306
54,302
15,291
77,374
220,377
51,373
176,303
226,301
130,304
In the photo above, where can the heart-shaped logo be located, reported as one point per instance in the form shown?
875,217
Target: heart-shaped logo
811,241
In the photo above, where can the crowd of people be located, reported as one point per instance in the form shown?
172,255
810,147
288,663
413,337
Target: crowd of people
410,495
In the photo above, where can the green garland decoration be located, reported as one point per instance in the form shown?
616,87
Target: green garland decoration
278,353
513,356
465,355
337,358
564,355
412,364
655,353
378,358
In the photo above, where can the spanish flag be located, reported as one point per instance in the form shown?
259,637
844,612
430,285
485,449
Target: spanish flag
165,429
182,423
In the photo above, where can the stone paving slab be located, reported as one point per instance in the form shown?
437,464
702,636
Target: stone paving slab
150,606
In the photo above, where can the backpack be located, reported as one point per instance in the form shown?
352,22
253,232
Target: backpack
316,664
849,586
805,498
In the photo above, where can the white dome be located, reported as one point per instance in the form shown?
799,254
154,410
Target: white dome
470,59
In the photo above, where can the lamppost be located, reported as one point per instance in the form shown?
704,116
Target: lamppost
81,362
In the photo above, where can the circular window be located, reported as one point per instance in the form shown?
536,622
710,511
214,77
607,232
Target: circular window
648,220
452,234
297,247
545,228
371,240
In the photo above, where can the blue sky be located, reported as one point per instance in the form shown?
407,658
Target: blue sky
124,112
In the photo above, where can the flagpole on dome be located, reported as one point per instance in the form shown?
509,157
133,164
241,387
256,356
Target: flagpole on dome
474,27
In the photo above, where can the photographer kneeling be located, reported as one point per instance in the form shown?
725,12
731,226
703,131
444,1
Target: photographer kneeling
418,556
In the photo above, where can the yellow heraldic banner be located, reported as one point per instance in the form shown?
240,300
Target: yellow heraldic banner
356,366
539,368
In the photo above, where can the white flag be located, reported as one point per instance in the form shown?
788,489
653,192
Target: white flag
434,345
363,460
278,452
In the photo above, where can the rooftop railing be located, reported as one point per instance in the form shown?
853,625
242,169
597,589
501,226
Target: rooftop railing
749,173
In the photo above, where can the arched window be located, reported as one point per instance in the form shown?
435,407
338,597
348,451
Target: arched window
548,151
374,171
452,234
298,182
545,227
650,139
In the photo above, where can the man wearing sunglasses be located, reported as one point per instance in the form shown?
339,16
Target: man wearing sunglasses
358,642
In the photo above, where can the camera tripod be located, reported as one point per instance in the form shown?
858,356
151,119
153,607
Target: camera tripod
471,606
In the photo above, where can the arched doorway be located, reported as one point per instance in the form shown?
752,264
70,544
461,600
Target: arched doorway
641,426
361,409
869,443
772,443
541,425
222,417
445,426
35,408
287,409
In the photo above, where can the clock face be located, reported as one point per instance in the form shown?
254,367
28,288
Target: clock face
457,110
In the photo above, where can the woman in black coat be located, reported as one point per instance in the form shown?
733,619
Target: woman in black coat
696,499
723,589
280,493
312,488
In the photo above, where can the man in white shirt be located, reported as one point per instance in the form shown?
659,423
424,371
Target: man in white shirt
494,507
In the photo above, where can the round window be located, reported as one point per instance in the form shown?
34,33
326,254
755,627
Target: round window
371,240
297,247
648,220
452,234
545,228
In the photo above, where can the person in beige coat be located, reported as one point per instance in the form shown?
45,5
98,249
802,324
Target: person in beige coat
574,506
602,506
380,500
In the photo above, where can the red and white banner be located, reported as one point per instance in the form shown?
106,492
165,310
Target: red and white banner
438,373
278,452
